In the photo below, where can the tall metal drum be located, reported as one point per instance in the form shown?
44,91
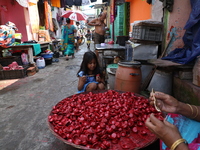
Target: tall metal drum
128,76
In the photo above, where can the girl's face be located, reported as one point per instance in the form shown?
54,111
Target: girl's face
92,65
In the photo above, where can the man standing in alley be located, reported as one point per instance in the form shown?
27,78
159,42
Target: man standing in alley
78,36
100,28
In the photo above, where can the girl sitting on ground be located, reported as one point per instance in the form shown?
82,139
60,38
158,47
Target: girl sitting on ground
90,74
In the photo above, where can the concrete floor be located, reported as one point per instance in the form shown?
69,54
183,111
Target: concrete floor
26,103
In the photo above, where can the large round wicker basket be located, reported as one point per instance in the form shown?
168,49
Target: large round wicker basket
139,141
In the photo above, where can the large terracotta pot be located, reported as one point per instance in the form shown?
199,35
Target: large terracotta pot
128,76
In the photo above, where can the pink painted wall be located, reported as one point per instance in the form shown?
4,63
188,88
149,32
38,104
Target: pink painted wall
176,22
15,14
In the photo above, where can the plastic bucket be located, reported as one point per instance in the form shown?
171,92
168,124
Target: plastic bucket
44,55
161,81
128,76
111,71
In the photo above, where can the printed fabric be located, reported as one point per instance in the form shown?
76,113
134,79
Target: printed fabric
67,39
189,129
7,34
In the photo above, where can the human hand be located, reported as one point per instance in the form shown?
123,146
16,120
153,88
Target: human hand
164,102
98,78
164,130
83,79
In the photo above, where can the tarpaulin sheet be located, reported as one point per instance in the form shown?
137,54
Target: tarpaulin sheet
191,38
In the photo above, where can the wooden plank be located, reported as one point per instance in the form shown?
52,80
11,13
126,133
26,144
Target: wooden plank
163,63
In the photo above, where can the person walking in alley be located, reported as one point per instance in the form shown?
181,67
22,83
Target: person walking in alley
67,39
100,28
88,36
181,128
78,36
90,74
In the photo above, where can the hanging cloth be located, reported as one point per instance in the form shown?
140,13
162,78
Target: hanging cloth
55,24
69,3
34,18
41,12
55,3
32,2
59,16
48,16
23,3
77,2
85,2
62,3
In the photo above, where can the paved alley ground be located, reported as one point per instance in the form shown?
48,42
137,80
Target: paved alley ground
25,104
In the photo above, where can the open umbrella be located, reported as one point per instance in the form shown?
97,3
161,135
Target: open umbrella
74,15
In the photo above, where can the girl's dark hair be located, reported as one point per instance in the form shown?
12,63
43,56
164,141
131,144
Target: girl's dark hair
87,58
68,20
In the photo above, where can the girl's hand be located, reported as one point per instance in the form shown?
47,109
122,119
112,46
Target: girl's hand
83,79
81,82
165,102
165,131
98,78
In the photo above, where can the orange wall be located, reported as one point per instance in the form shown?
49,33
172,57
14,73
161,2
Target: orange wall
139,10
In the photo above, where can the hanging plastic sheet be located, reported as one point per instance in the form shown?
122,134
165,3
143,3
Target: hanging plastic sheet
191,38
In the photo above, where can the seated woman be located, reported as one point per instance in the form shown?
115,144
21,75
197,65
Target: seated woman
182,124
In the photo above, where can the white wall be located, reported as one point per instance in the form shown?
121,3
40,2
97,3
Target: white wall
157,10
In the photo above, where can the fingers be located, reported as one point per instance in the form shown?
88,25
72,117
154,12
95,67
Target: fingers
83,78
155,120
155,125
149,124
168,124
153,100
160,95
152,122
